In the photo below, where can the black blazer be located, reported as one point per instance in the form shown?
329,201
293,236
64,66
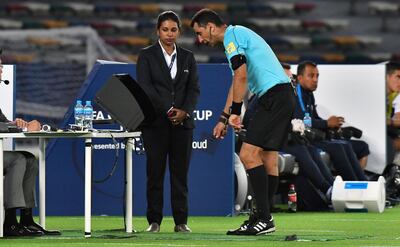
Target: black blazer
153,76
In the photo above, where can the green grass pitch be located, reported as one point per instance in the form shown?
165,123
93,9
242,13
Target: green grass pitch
311,229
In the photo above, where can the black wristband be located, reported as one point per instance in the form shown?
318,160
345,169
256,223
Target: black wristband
223,120
225,115
236,108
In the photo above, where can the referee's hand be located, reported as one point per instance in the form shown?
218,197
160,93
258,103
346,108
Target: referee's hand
220,130
235,122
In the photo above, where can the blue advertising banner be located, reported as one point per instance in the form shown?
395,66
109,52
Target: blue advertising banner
211,174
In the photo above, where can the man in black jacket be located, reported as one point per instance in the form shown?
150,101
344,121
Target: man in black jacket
340,151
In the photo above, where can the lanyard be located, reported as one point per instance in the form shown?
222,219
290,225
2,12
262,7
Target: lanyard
172,62
300,97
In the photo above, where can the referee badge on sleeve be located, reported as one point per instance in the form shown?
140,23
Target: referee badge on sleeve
230,48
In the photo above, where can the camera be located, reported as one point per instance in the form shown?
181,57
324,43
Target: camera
345,133
315,134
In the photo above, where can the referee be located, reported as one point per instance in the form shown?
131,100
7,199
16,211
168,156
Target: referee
254,66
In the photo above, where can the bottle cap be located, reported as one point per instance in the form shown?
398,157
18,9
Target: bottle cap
88,102
79,101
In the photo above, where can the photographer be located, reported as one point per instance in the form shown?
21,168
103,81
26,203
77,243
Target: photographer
341,152
393,109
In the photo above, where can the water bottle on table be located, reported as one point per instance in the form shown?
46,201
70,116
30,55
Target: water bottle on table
78,113
88,115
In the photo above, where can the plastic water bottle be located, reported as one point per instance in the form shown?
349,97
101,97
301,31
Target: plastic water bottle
88,115
292,199
78,113
307,121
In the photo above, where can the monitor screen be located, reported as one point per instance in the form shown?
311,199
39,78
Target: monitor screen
126,102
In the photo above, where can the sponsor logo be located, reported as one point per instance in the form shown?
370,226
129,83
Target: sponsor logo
201,115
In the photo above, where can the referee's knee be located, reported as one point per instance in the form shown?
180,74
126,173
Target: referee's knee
249,158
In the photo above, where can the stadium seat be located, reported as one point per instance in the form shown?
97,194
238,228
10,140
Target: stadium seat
191,8
115,41
31,24
133,57
219,7
297,42
237,8
186,41
321,41
124,25
333,57
127,9
380,56
303,7
22,58
316,58
346,41
43,41
61,9
176,7
313,25
137,41
16,8
54,24
10,24
146,24
276,24
38,9
101,25
288,58
107,9
149,8
358,58
82,9
383,8
333,24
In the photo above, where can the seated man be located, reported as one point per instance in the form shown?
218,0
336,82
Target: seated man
20,171
341,151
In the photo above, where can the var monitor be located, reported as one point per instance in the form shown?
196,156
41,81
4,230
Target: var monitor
126,102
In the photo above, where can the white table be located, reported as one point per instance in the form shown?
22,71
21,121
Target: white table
43,136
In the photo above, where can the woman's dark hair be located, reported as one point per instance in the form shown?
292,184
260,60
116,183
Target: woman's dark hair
168,15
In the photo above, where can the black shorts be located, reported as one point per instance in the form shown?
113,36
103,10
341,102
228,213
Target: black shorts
270,123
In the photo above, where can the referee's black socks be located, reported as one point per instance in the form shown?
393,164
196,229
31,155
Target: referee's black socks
259,181
273,182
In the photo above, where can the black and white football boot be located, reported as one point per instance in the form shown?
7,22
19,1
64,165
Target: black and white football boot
259,227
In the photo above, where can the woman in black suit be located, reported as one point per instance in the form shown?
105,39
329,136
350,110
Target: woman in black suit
168,74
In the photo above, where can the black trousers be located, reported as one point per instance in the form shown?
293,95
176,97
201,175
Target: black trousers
172,143
311,165
344,159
